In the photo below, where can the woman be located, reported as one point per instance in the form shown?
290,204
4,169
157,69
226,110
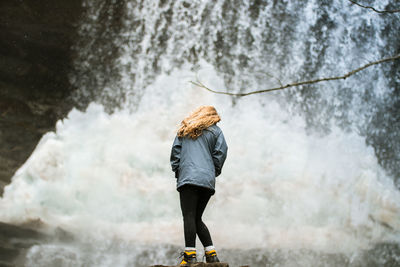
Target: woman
197,156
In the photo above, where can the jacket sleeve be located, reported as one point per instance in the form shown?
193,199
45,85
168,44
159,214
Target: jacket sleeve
219,153
176,155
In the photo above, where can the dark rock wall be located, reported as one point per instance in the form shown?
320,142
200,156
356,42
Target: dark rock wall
15,241
35,59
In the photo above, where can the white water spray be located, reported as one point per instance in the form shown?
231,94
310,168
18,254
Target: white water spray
107,177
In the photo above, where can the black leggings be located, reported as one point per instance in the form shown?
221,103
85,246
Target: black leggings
194,200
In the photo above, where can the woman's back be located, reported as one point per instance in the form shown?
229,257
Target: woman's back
201,159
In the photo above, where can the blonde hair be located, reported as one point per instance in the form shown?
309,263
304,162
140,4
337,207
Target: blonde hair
200,119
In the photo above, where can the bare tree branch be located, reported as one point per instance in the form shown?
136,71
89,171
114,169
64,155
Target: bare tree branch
372,8
199,84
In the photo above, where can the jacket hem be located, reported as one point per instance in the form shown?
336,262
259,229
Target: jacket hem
212,190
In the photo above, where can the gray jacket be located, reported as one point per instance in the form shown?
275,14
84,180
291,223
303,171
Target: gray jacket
199,161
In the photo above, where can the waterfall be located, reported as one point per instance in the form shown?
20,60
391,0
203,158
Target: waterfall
307,180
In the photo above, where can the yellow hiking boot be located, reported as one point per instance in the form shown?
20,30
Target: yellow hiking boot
211,256
189,257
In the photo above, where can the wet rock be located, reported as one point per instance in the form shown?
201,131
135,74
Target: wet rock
35,59
200,264
15,241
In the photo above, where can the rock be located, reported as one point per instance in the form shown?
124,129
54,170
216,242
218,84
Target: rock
35,61
200,264
14,242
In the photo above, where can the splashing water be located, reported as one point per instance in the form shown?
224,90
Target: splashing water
288,195
106,178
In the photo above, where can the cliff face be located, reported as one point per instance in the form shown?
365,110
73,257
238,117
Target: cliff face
15,241
35,59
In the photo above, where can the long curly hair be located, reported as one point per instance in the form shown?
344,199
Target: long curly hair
201,118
